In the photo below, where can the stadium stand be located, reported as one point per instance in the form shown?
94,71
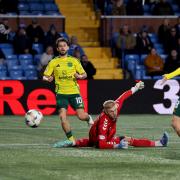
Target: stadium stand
84,24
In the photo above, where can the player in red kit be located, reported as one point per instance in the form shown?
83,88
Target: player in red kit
102,133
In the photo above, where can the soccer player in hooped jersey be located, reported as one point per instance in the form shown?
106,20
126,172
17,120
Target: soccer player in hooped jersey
65,70
102,132
176,113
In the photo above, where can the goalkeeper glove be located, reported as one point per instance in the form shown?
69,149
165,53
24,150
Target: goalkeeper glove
122,145
138,86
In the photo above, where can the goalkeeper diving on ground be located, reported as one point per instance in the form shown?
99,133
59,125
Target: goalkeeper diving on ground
102,134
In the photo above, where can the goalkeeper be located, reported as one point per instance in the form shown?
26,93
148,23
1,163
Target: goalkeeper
176,113
102,132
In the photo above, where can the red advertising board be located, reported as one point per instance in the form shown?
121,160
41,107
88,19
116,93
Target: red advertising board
17,97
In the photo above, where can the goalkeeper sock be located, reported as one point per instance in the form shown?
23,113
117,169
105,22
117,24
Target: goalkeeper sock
70,136
158,144
83,142
141,143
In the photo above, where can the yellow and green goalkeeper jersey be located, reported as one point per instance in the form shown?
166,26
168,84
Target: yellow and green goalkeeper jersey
63,70
173,74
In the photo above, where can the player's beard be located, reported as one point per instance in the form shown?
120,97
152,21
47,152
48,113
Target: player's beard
63,53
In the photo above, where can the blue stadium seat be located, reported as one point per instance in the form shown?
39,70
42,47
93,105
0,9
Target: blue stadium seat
5,78
24,13
15,68
3,73
11,57
139,71
154,37
131,66
144,76
157,77
53,13
23,7
36,7
164,56
130,57
37,13
38,47
24,63
175,7
25,56
31,74
146,8
7,51
6,46
37,58
12,63
158,45
142,58
160,50
30,67
50,7
15,74
2,67
108,9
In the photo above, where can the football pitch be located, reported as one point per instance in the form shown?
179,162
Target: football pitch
26,153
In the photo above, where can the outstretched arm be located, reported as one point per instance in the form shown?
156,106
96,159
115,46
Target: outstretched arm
170,75
126,94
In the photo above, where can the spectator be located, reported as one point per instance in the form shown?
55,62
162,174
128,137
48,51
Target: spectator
35,32
172,62
2,57
4,31
134,7
45,58
126,42
77,53
51,37
162,8
144,43
88,67
177,26
22,43
100,5
164,30
172,40
118,7
178,46
73,45
154,64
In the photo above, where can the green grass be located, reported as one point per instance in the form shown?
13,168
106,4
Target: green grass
26,153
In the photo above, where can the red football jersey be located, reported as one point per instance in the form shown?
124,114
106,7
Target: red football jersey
102,133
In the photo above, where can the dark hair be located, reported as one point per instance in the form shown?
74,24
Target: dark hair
62,39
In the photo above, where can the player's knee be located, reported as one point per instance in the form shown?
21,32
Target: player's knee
176,125
82,116
62,117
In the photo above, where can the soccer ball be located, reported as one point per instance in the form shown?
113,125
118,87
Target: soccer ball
33,118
